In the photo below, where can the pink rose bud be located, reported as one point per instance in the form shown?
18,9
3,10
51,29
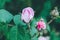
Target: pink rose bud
41,24
27,14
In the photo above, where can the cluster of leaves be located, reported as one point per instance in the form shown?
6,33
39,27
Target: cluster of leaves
14,32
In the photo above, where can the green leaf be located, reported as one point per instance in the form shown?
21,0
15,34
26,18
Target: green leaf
18,33
4,29
33,27
5,16
18,21
57,20
35,38
48,28
33,31
13,33
25,35
54,36
33,22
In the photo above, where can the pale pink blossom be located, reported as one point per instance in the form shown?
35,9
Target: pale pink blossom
27,14
44,38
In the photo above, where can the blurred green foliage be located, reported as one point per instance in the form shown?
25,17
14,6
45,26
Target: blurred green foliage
9,11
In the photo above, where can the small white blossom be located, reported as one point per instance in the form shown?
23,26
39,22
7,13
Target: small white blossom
55,12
